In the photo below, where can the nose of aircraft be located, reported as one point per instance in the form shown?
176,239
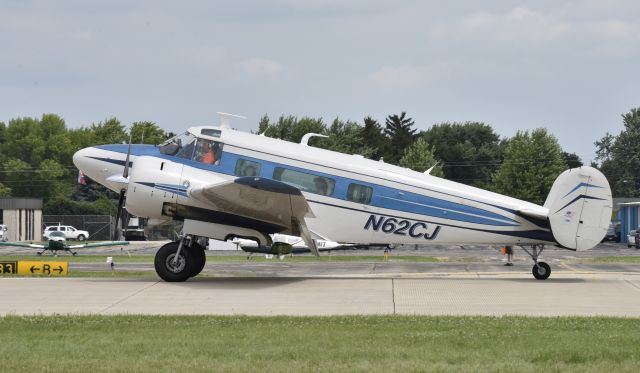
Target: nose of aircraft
81,159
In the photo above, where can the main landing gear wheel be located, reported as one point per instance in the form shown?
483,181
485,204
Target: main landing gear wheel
541,271
200,259
177,270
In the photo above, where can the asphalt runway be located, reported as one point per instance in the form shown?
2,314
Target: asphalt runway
473,282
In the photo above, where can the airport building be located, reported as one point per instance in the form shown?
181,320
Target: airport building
22,218
629,217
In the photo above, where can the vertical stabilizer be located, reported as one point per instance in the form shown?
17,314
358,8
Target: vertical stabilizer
580,207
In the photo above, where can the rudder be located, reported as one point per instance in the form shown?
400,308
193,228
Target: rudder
580,208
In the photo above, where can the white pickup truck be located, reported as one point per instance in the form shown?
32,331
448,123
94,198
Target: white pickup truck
70,233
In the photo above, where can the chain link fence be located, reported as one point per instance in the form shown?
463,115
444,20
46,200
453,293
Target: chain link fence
98,226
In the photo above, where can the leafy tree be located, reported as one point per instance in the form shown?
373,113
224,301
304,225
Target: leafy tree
290,128
18,176
145,132
91,191
36,157
401,134
24,140
110,131
374,137
572,160
532,162
65,206
471,151
345,137
619,156
5,191
420,157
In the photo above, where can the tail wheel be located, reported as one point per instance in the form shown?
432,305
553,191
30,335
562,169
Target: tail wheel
541,271
172,269
200,259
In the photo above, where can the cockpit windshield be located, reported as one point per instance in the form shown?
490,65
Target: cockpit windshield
188,146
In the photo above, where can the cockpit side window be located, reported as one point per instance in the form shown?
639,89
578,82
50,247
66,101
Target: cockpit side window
186,143
181,146
188,146
208,151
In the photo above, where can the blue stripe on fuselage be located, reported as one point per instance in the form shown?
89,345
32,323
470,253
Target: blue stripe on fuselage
383,197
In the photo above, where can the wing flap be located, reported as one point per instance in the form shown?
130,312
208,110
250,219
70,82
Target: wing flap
280,205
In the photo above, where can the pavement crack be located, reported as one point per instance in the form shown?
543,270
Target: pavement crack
128,297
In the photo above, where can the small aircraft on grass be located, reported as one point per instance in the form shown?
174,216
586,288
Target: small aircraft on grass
57,242
225,183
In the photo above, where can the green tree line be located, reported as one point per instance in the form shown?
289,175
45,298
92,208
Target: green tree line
36,154
36,161
471,153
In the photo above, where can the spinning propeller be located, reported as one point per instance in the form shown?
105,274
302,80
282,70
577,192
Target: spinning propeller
125,181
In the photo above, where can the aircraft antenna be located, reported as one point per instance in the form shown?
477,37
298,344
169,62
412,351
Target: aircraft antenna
225,118
305,138
428,172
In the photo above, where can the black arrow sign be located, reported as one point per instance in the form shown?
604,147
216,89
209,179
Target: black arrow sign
34,268
59,269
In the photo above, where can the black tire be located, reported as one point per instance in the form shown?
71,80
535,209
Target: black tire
184,266
81,237
541,271
200,259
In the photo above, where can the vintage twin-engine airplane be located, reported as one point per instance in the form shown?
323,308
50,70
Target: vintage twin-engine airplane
225,183
57,242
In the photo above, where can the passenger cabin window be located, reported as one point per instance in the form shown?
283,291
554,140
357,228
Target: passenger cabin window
359,193
304,181
207,151
246,167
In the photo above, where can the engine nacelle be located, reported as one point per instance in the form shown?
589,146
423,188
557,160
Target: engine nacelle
153,182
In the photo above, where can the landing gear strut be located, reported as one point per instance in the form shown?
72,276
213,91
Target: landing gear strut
540,270
179,260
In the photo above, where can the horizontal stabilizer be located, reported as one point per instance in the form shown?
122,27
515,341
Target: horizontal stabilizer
535,214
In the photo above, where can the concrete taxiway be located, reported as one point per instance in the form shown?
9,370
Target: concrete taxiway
491,294
473,281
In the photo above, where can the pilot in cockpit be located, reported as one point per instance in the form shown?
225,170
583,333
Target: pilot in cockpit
209,156
208,152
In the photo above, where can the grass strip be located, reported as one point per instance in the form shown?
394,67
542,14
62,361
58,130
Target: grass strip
341,343
616,259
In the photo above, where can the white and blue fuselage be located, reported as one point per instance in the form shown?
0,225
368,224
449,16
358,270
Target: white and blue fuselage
359,200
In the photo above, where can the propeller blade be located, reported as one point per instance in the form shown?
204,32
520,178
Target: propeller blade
125,176
120,204
125,173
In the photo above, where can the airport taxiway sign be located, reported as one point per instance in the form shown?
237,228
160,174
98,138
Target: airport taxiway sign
28,267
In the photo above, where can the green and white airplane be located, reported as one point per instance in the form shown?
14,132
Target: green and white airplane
57,242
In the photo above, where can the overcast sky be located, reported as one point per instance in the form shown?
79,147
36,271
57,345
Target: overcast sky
569,66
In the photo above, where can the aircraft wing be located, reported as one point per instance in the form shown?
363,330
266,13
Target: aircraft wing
97,244
266,205
22,244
